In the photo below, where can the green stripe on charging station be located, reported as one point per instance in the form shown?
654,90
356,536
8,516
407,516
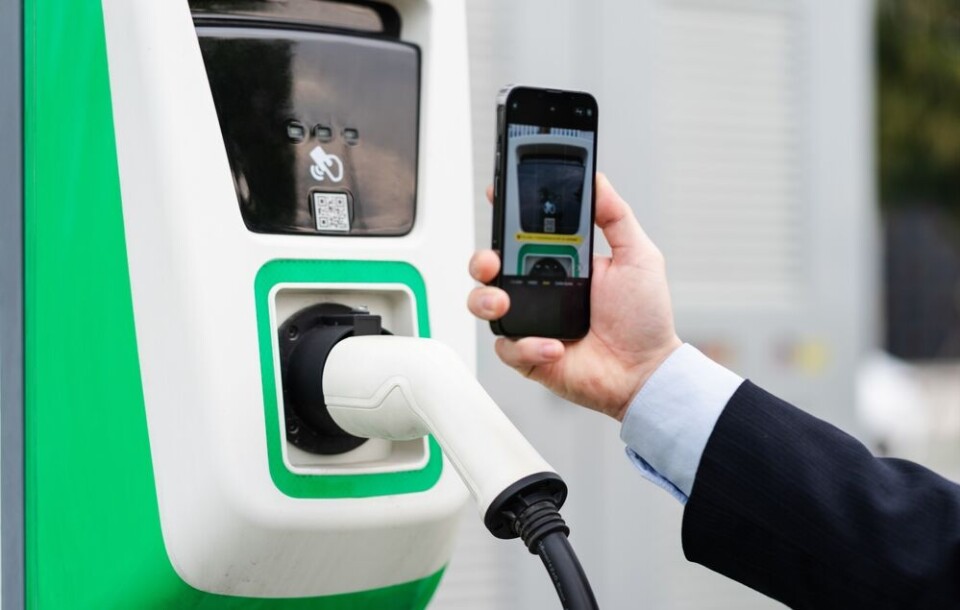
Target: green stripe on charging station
93,539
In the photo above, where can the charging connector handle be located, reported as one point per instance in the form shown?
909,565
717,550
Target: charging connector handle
402,388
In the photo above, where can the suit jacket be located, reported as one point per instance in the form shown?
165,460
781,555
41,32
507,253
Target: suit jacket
796,509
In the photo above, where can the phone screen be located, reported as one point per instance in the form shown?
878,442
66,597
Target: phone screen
545,182
548,196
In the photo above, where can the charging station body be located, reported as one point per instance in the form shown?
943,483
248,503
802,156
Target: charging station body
242,517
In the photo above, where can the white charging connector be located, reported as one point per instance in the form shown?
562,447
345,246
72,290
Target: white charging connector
402,388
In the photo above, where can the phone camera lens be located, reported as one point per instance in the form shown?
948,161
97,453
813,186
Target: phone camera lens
553,108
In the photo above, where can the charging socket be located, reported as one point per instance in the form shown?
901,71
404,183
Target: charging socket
305,340
313,444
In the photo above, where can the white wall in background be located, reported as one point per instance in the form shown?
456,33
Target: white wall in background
741,133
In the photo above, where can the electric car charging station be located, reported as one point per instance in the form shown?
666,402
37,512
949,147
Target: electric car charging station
247,363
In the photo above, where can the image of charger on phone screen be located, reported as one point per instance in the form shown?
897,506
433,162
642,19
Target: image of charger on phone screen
543,210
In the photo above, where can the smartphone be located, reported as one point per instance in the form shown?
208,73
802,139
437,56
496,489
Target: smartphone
543,210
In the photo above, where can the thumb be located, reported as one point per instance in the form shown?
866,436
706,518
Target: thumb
627,240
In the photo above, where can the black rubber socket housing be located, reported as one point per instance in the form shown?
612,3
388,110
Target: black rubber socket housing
305,340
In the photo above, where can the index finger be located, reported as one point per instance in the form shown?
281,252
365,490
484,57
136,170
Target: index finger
484,265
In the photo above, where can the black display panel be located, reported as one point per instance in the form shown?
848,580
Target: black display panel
321,127
551,192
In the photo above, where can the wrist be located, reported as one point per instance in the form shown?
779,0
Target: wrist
641,373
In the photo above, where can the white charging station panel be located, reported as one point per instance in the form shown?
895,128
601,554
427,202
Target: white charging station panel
240,512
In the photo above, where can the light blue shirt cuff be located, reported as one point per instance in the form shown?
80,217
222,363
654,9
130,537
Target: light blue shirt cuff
670,420
648,472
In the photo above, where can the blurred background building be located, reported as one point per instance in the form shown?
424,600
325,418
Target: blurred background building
798,162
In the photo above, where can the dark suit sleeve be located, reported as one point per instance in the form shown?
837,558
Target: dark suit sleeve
796,509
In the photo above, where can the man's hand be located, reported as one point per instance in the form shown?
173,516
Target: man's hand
631,322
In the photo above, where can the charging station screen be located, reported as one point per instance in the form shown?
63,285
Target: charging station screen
547,222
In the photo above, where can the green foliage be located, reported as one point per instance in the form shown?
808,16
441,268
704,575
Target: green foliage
919,102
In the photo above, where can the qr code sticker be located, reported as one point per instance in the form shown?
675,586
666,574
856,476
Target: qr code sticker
331,211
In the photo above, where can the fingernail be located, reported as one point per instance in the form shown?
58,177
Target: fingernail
487,302
550,350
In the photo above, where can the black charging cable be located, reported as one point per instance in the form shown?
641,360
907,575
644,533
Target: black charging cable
530,510
544,532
